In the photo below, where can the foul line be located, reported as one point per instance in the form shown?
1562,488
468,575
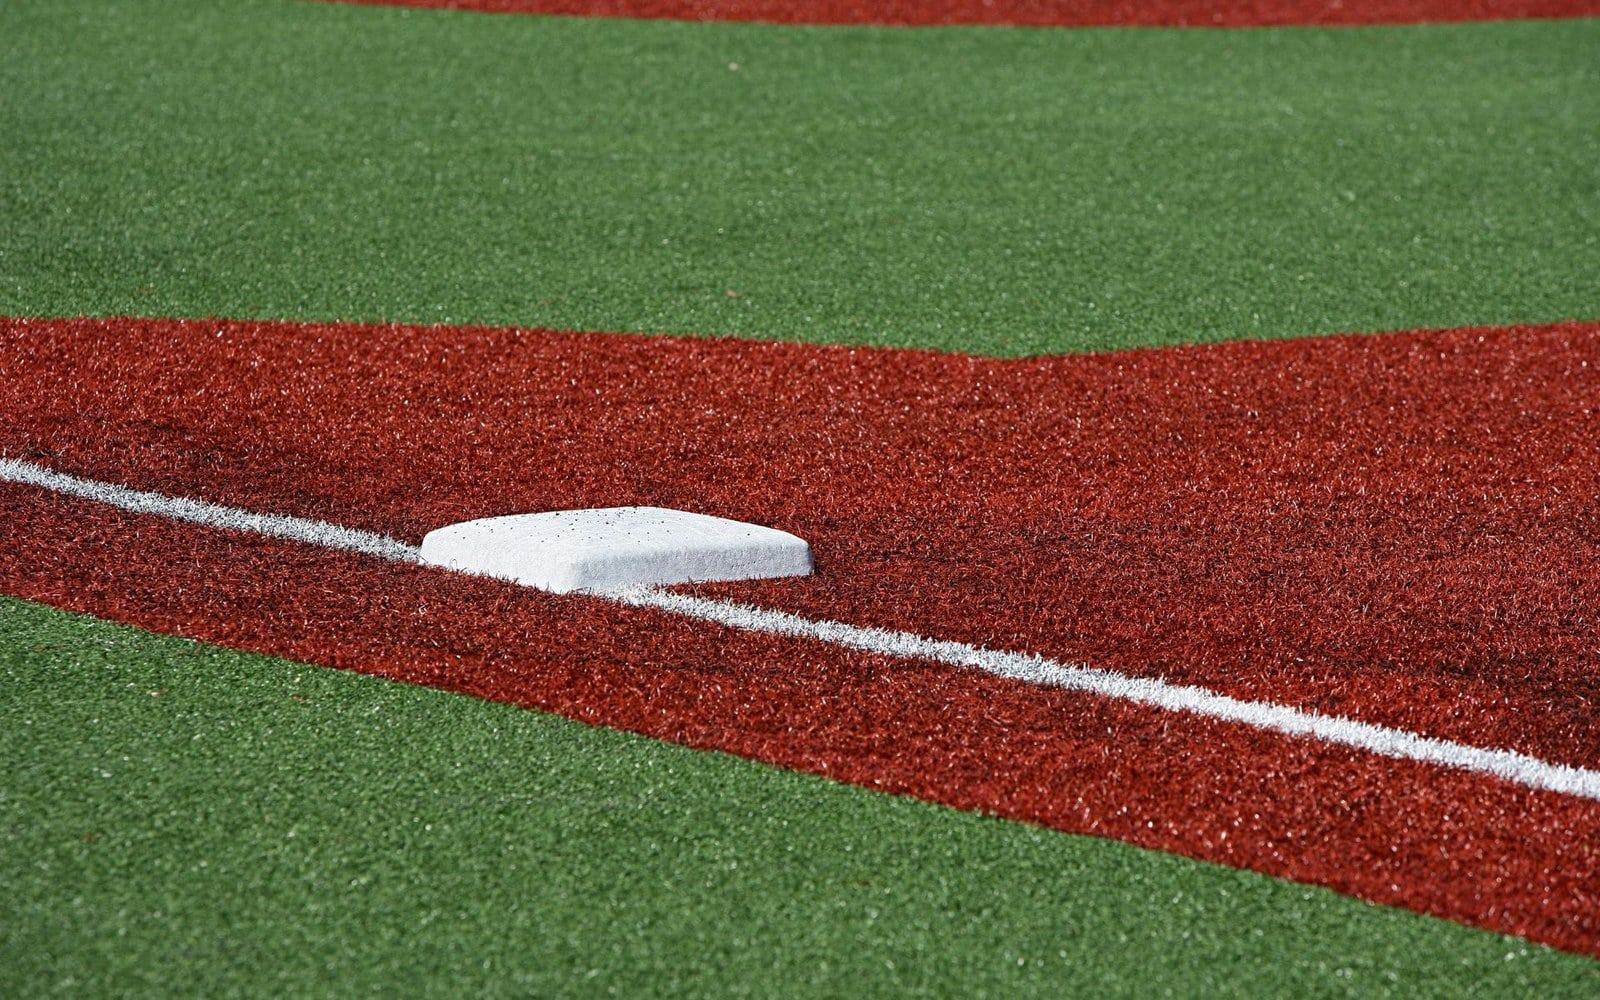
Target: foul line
1520,769
299,529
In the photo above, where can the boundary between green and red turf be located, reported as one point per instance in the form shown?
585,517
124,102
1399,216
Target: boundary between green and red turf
185,819
997,192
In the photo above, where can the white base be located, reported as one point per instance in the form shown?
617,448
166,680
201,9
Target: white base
615,547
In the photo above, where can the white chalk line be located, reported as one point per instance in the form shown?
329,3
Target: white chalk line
299,529
1508,765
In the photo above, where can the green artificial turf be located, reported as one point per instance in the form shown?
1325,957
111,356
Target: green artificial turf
178,819
183,820
992,190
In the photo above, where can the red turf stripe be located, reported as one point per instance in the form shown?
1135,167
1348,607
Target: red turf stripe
1403,529
1207,13
1399,528
1452,844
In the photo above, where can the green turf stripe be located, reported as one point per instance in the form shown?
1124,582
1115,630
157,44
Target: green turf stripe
179,819
996,190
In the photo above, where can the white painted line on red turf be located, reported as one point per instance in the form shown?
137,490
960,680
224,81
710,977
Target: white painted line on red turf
1517,768
299,529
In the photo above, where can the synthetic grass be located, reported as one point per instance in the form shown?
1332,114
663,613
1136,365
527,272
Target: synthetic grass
181,819
279,160
995,190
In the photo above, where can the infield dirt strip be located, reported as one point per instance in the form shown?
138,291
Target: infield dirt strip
1399,529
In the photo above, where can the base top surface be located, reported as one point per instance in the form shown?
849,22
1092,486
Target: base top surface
611,548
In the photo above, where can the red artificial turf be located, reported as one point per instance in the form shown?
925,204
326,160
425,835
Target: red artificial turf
1176,13
1452,844
1401,528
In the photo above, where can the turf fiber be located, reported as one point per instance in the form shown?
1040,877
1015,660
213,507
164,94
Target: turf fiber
1007,191
994,191
183,819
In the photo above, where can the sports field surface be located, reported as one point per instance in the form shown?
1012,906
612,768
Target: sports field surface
1195,429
